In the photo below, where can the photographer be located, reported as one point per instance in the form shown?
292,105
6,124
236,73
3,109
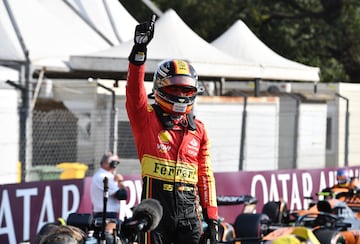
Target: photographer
116,190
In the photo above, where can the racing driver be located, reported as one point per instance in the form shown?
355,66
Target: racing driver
172,145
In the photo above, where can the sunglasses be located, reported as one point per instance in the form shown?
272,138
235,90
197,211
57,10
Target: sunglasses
114,163
178,90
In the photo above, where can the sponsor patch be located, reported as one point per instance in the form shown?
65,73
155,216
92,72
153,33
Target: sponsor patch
164,138
193,147
181,67
169,170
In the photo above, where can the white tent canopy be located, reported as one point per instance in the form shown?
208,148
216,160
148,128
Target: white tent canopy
8,74
172,39
107,16
9,50
51,31
240,42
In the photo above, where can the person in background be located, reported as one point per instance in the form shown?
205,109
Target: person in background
344,186
342,178
345,181
61,234
116,189
173,146
46,229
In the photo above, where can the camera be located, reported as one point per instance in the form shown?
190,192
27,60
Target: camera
146,216
93,227
114,164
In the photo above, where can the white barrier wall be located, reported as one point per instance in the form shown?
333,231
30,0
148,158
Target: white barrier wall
312,136
223,119
9,139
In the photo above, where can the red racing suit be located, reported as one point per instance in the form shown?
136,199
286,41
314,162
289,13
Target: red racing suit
175,163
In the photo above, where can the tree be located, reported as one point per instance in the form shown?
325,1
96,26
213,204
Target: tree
321,33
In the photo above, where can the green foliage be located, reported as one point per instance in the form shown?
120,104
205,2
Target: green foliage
323,33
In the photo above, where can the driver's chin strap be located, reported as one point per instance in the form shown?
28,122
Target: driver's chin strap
168,122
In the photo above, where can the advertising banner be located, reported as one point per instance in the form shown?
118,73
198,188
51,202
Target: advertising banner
26,207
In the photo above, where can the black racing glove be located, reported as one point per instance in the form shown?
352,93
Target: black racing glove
144,33
211,233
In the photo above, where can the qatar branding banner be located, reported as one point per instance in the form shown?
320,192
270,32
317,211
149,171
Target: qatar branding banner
295,187
26,207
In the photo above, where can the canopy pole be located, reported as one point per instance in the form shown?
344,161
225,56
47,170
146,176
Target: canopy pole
222,85
347,116
37,88
113,122
243,132
111,19
92,26
25,94
257,87
296,129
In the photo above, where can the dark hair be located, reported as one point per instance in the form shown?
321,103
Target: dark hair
114,159
105,157
45,230
62,234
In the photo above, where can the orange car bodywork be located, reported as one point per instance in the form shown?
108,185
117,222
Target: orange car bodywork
353,202
351,236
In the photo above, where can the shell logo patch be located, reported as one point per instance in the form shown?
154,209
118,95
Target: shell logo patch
164,138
